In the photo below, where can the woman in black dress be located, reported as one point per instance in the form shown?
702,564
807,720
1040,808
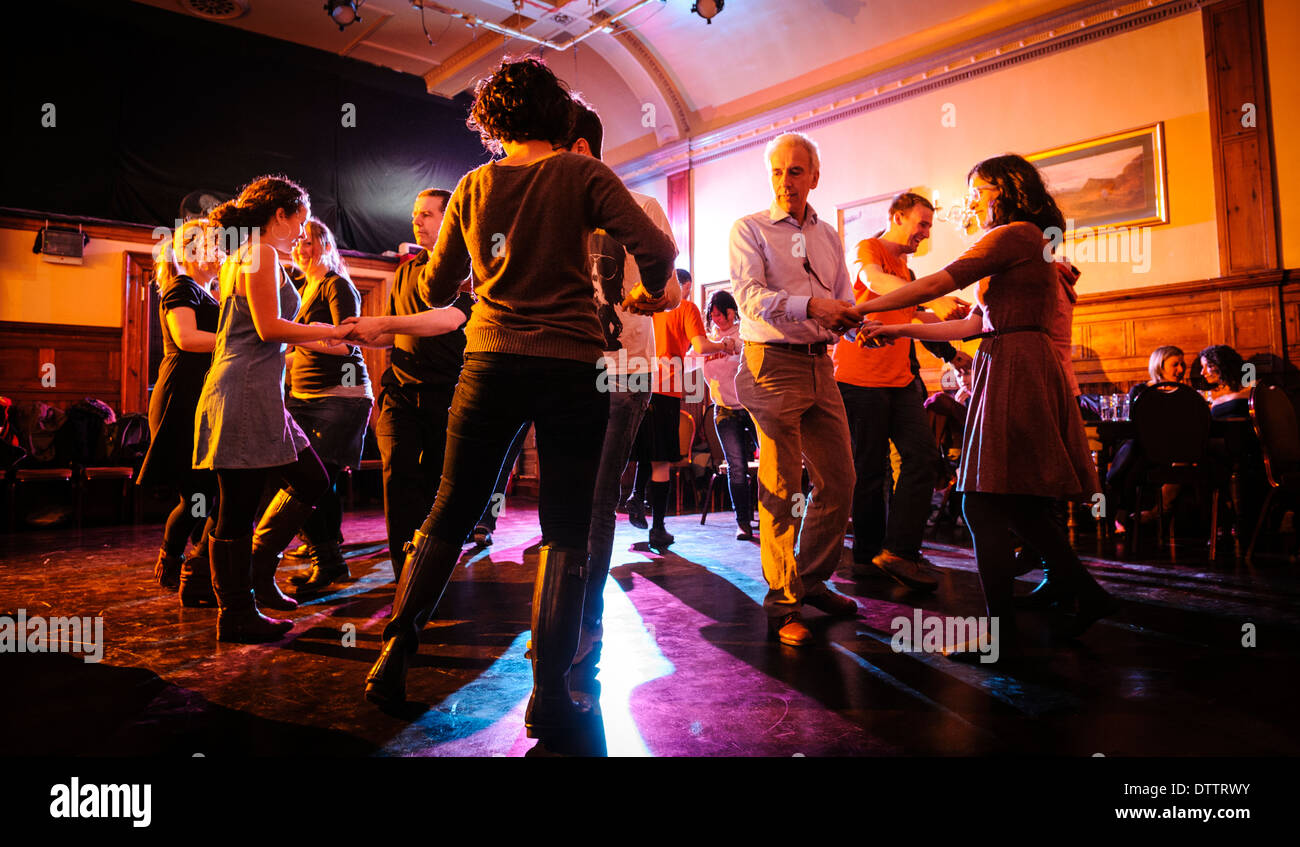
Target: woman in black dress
187,264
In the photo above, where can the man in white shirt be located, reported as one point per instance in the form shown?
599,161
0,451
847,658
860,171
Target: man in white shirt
792,284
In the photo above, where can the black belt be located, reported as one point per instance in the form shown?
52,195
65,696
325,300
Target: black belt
997,333
817,349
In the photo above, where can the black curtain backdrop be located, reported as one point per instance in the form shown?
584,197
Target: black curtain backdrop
150,105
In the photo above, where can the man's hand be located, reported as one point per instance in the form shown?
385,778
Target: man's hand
962,361
874,334
1068,273
639,301
949,308
835,315
366,331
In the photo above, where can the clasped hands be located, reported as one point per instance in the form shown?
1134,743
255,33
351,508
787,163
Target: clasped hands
840,317
363,331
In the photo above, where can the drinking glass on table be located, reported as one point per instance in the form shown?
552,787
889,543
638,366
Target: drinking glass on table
1121,407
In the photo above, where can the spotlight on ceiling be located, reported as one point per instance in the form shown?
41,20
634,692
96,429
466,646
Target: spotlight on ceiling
343,12
708,9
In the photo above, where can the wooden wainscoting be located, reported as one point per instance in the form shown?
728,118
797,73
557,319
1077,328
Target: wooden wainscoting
87,362
1257,314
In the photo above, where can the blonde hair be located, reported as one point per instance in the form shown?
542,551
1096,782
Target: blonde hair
316,230
167,266
1157,361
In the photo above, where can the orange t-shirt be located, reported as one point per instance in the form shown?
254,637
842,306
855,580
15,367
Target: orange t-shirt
673,333
878,367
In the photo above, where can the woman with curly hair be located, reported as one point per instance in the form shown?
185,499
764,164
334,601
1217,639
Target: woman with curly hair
533,343
242,430
1024,444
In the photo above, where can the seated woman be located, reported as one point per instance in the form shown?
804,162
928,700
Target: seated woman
1167,364
1222,369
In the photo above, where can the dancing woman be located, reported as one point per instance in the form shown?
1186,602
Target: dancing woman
533,344
329,398
242,430
187,264
1024,444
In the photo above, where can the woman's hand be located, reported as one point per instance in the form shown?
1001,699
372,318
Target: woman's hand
876,334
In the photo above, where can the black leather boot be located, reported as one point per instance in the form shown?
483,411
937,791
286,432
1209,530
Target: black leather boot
167,570
232,581
306,554
429,565
283,517
196,579
1045,594
558,596
327,567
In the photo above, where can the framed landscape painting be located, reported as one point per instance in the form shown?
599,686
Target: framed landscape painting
1110,182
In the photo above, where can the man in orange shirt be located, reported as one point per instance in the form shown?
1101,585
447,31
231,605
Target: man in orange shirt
884,399
676,332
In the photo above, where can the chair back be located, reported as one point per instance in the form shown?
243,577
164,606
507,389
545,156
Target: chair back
1274,419
1173,424
685,434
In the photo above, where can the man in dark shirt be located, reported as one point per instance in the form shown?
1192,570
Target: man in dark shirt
417,390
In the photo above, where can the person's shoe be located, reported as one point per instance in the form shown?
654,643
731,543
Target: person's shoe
832,603
866,570
744,532
660,538
558,595
1046,594
283,517
483,535
636,513
1089,609
905,571
238,619
309,558
196,580
302,551
327,567
789,630
167,570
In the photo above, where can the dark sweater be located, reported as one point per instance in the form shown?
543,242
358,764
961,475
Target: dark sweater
423,361
524,229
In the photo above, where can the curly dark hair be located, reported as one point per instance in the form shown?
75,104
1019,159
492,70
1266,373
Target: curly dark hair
257,203
722,301
523,100
1227,362
1022,196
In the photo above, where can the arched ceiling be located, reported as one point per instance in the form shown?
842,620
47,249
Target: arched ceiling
658,73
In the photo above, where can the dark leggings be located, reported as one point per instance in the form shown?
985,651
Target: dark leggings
197,506
993,518
241,491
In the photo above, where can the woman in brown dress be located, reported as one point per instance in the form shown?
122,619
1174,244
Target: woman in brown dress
1024,445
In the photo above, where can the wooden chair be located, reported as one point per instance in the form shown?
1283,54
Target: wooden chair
123,475
1274,418
19,476
685,438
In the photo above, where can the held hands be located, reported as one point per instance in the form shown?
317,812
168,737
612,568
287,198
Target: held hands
950,308
835,315
876,334
640,302
363,331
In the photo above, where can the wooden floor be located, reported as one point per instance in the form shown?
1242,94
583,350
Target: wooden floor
687,670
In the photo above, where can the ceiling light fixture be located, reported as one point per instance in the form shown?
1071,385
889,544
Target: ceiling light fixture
342,12
708,9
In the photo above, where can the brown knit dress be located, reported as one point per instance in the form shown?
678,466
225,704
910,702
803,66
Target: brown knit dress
1024,433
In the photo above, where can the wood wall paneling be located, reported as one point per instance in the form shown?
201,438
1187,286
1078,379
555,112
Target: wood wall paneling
1240,134
87,363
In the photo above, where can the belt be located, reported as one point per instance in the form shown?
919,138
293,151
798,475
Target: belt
998,333
816,349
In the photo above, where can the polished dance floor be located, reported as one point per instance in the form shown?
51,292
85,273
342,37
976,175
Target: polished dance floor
1201,660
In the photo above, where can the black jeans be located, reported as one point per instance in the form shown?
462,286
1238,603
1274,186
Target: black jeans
411,432
496,394
878,416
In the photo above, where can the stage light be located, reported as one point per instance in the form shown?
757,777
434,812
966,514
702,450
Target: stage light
342,12
708,9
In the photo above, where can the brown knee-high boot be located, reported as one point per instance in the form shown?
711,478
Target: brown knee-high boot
280,523
232,580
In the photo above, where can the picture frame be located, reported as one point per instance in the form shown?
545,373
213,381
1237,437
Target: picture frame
863,219
707,291
1111,182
